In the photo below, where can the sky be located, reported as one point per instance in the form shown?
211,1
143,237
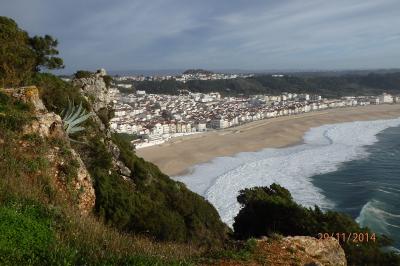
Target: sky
125,35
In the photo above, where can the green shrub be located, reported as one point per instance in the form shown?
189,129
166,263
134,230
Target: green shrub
105,115
107,80
57,93
83,74
269,210
150,203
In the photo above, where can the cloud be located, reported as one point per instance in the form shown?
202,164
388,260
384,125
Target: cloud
162,34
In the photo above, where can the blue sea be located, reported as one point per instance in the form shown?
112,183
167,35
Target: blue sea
350,167
368,189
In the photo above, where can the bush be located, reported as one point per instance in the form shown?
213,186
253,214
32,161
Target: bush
151,203
107,80
56,93
83,74
105,115
269,210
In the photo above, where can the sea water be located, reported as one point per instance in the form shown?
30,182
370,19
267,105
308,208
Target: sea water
350,167
368,189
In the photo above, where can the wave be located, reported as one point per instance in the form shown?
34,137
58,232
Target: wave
375,217
325,148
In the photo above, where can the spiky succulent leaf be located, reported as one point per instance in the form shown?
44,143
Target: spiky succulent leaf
73,116
77,112
76,129
79,120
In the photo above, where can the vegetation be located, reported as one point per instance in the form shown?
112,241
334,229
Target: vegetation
39,223
105,114
45,52
21,56
87,74
197,71
73,116
107,80
126,137
270,210
83,74
327,86
56,93
150,203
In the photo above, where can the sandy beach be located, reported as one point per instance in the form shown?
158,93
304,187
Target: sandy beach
178,155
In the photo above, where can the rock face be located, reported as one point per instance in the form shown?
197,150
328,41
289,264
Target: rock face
321,252
28,95
94,89
46,125
49,125
96,92
83,184
124,171
302,250
290,251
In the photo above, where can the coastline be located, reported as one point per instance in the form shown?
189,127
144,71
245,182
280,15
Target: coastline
177,156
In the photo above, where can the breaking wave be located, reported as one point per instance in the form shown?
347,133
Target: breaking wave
324,149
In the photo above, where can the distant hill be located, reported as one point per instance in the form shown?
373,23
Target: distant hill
329,86
198,71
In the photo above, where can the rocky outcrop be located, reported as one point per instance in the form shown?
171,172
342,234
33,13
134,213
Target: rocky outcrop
83,185
46,125
302,250
318,251
121,168
49,125
94,89
29,95
290,251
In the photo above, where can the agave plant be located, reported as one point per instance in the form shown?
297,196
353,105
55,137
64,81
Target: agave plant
73,116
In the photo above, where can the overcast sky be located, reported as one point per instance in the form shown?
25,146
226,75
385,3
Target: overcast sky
216,34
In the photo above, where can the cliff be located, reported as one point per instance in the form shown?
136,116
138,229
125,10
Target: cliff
85,174
48,125
94,89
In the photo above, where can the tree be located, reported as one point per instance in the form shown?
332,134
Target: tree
45,51
22,56
17,59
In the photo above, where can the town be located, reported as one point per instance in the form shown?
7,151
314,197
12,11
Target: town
156,118
194,74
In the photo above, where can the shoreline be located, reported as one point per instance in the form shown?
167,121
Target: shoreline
177,156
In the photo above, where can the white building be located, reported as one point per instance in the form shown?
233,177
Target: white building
385,98
219,123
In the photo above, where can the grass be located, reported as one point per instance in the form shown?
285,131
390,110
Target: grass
237,251
25,234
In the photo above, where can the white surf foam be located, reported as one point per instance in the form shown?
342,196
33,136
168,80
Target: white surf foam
324,149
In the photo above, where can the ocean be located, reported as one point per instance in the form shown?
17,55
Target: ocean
368,189
349,167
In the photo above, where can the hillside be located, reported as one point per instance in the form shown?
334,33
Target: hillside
68,199
328,86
